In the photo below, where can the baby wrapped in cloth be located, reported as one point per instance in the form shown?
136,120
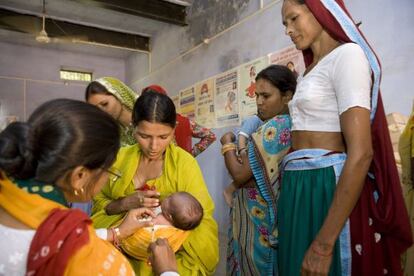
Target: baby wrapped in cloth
178,214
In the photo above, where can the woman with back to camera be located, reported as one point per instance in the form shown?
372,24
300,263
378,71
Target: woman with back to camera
253,232
150,171
340,209
44,164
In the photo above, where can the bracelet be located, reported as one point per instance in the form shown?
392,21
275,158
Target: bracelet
317,252
228,147
224,151
116,234
241,149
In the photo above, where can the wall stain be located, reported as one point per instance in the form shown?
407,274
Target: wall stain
207,18
228,60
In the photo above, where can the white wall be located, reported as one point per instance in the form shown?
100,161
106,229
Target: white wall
388,26
178,62
29,76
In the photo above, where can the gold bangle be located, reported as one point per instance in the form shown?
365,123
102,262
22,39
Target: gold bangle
228,148
223,151
228,145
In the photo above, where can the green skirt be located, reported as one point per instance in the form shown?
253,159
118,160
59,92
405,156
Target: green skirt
305,198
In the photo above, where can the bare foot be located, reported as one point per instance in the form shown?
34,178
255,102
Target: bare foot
228,197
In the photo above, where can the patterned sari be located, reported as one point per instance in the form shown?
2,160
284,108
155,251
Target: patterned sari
252,246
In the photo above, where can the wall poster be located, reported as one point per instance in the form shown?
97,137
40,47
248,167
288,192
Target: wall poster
226,99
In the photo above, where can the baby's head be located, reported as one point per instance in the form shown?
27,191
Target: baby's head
183,210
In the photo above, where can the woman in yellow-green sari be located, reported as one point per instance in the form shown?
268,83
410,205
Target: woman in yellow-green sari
151,170
117,99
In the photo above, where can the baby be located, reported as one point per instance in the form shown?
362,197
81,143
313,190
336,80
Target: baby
179,213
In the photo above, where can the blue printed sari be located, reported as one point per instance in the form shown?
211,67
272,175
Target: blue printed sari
252,245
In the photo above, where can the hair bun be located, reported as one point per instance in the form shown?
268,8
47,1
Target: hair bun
16,151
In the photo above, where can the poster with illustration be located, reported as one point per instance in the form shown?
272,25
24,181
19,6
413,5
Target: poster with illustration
205,114
247,75
226,99
291,57
176,101
187,102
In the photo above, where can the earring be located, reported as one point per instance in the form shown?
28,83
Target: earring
76,191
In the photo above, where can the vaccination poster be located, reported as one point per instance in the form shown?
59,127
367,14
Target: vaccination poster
247,76
205,115
226,99
290,57
176,101
187,102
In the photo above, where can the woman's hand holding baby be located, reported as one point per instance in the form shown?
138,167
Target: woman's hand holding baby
148,199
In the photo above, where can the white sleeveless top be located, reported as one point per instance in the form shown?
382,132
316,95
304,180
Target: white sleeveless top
339,81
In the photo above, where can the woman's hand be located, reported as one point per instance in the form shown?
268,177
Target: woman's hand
139,199
133,221
317,260
162,257
228,137
148,198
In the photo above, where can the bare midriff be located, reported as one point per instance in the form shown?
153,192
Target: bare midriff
318,140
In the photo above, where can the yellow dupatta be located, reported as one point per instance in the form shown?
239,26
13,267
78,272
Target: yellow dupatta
91,259
180,173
